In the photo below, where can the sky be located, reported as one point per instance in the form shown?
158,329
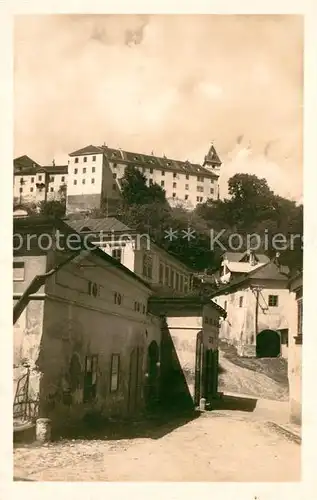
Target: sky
171,84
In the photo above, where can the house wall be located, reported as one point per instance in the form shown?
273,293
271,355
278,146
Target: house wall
84,182
184,327
294,359
30,193
76,323
239,326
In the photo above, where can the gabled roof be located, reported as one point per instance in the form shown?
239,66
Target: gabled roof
24,162
212,156
268,271
243,267
87,150
97,225
240,256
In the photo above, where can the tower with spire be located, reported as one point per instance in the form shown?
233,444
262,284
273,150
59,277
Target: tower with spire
212,161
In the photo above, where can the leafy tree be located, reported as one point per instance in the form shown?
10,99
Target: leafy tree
136,192
52,208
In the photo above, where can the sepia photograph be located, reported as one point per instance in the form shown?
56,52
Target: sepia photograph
158,247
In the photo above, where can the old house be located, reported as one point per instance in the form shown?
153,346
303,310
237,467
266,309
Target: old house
137,252
81,325
189,349
237,264
257,305
295,347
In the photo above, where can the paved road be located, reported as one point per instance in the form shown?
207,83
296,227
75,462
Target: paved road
217,446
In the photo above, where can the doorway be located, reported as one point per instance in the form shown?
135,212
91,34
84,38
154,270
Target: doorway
152,389
268,344
135,380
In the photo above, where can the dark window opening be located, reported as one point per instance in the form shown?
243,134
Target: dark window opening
115,371
273,300
90,378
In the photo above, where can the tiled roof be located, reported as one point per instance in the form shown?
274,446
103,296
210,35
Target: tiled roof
145,160
87,150
54,169
212,156
243,267
24,162
26,166
238,256
97,225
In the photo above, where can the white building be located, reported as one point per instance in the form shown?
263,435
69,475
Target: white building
94,175
138,253
33,183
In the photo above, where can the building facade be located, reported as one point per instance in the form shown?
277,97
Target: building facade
295,347
137,252
33,183
84,330
257,306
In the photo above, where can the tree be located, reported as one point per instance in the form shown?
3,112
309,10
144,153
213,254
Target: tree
136,192
52,208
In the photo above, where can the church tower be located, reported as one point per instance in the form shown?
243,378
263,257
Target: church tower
212,161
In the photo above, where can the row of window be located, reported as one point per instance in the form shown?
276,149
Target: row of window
272,301
31,190
173,279
85,159
84,171
83,181
94,291
211,321
175,174
32,179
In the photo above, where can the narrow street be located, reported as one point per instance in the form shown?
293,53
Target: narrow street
217,446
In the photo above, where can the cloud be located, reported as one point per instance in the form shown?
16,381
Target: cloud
165,83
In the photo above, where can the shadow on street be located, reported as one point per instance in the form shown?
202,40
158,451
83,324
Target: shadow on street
235,403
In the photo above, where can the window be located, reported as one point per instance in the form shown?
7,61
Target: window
93,169
114,187
18,271
174,175
200,179
114,373
93,159
63,179
181,283
163,172
172,278
284,336
114,165
75,182
151,170
197,198
161,273
147,265
76,160
174,195
90,378
187,187
21,190
83,181
93,289
84,170
117,254
299,317
40,177
114,176
75,170
31,189
211,190
273,300
174,185
167,274
117,298
32,180
85,159
92,181
187,176
176,281
52,178
51,189
162,183
240,301
200,189
186,196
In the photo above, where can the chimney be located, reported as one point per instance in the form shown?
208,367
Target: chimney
251,258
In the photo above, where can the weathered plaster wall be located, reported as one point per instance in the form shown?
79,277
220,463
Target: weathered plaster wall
294,359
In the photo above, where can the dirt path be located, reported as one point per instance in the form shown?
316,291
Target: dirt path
213,447
243,381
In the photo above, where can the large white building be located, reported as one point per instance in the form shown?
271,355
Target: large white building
92,177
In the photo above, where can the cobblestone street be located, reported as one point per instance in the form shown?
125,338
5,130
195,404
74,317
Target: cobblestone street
217,446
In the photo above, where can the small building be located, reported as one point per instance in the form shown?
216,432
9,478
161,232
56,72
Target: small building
33,183
83,335
295,341
137,252
189,349
257,306
237,264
